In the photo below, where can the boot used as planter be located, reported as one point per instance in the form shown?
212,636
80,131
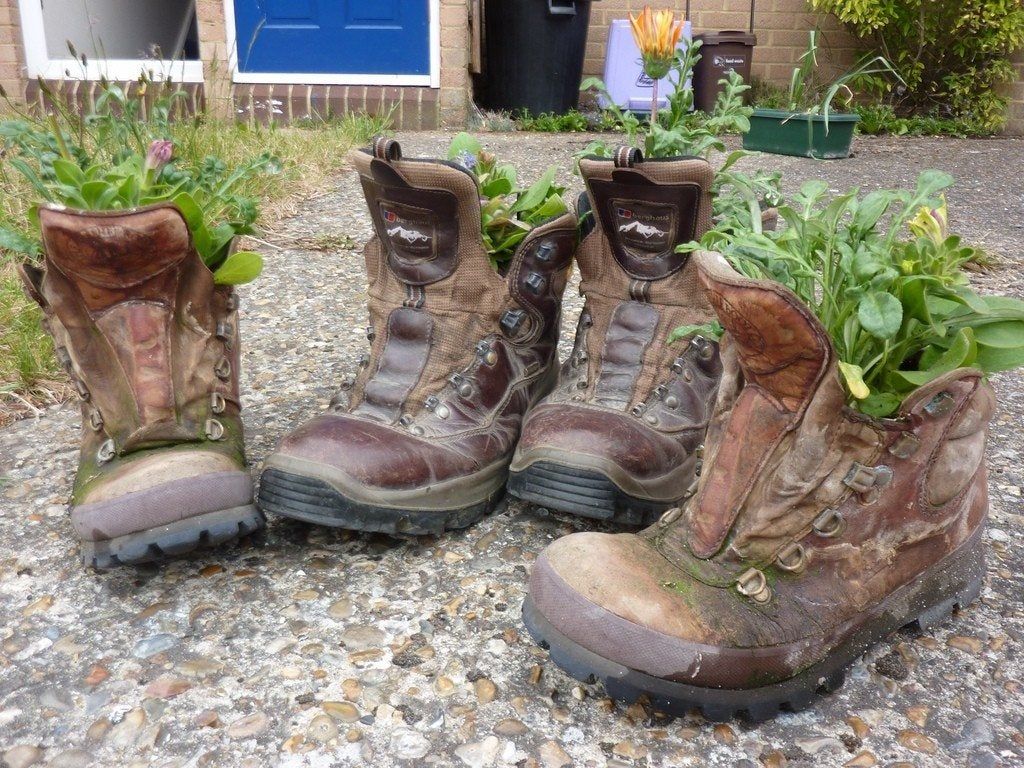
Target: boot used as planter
620,437
152,346
420,440
815,531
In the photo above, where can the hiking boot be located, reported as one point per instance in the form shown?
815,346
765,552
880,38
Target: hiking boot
620,437
420,440
815,531
151,344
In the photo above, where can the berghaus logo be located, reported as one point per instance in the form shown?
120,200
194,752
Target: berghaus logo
410,236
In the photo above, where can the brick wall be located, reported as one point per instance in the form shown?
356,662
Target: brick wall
781,27
12,59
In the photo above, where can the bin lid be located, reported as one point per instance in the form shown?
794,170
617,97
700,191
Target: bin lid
736,36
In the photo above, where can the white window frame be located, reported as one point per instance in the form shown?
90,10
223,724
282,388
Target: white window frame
291,78
39,64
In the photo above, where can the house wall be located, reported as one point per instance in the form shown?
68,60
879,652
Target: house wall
1015,93
781,27
12,59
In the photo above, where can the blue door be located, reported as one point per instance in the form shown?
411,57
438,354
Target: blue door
390,37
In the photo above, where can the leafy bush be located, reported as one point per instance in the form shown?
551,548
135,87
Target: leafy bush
119,156
952,54
507,211
880,119
885,278
572,121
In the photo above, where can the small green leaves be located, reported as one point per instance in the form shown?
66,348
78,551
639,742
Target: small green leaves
240,267
880,314
711,330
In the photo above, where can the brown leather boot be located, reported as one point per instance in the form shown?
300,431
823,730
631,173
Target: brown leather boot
152,346
420,441
815,531
620,437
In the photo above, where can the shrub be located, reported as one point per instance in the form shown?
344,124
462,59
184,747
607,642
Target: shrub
952,54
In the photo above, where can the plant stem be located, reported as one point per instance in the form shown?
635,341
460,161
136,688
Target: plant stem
654,104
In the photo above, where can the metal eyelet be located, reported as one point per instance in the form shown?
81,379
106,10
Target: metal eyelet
83,391
233,302
442,411
370,333
705,349
95,420
63,357
792,558
753,584
217,402
828,524
431,402
864,479
582,384
651,419
699,451
637,410
405,420
670,516
671,402
586,320
940,405
214,429
225,332
364,361
223,369
417,430
106,452
346,385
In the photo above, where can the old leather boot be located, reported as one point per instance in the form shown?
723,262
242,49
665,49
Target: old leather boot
815,531
420,441
619,439
152,346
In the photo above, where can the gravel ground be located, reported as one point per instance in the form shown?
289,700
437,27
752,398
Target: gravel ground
311,647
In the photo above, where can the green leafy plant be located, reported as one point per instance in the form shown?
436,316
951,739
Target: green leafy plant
572,121
810,94
880,119
119,156
508,212
952,54
885,278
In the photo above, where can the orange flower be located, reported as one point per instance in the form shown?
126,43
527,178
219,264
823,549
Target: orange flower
657,34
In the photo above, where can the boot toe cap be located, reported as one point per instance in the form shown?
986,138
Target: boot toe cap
617,597
159,489
598,438
349,450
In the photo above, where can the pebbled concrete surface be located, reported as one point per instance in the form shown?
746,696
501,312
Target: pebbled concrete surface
309,647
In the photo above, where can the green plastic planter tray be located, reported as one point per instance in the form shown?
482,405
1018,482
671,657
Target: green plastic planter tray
796,133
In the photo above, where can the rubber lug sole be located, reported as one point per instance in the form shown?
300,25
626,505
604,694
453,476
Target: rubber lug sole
315,501
180,538
583,492
759,704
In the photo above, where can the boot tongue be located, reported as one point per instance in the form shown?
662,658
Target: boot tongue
784,353
104,254
647,209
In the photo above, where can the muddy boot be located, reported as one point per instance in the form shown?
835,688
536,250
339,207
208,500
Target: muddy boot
152,346
420,440
620,437
815,532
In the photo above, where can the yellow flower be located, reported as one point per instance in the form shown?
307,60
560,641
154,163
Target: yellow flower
656,34
932,223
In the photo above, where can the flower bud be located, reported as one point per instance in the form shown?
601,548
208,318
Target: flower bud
159,154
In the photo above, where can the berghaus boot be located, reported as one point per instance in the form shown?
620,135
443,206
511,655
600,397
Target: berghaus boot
152,346
420,440
620,437
815,532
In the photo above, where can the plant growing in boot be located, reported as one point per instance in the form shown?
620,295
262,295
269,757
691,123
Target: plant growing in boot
116,159
814,531
884,277
678,131
136,286
419,440
507,211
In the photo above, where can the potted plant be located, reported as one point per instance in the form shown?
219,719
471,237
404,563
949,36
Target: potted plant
809,126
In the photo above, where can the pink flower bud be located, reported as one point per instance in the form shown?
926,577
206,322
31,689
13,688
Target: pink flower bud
159,154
